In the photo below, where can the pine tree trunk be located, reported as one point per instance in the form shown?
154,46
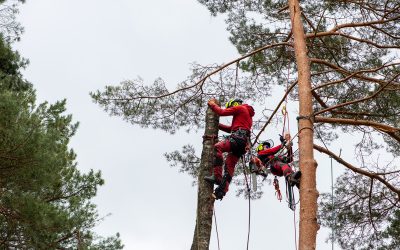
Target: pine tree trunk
308,191
205,203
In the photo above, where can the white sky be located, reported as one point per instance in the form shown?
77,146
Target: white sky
75,47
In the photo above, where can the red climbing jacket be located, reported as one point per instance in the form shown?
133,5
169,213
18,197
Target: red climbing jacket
269,152
277,164
242,117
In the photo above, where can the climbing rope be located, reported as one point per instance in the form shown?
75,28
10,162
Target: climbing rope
216,227
295,229
332,200
248,192
277,190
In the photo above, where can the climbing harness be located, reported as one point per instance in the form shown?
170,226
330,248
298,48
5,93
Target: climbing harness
239,141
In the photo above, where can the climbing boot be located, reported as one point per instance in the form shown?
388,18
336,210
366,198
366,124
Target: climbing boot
218,193
294,179
212,180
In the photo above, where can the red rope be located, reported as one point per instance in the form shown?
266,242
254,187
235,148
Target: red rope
277,190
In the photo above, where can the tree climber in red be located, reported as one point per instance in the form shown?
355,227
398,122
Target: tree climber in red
278,164
234,145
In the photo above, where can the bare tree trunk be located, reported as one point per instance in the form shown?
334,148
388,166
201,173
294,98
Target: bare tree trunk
205,203
308,191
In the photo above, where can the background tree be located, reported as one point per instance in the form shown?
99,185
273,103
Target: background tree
351,46
44,199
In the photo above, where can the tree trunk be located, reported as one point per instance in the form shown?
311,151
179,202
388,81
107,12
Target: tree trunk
205,203
308,191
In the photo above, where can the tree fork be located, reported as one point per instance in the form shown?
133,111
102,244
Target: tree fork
308,191
205,203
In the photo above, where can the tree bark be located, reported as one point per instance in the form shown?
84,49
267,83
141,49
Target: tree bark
205,203
308,191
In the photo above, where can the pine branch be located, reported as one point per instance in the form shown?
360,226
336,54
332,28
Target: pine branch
199,84
341,70
378,126
358,100
358,170
353,74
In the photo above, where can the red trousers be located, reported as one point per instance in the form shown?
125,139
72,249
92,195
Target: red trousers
230,162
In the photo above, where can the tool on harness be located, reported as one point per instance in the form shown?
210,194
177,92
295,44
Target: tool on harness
263,170
290,195
294,179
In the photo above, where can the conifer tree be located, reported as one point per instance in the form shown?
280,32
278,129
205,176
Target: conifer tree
44,199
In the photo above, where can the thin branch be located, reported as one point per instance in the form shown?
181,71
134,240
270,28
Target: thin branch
378,126
201,82
354,74
358,170
369,205
346,72
352,25
358,100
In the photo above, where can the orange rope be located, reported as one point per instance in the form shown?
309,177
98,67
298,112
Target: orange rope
277,190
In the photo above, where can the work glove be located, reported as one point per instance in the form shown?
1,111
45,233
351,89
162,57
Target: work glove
282,139
212,102
288,140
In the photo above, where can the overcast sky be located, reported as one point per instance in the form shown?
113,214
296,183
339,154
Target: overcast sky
75,47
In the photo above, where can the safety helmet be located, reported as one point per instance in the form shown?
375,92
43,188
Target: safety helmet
233,103
264,144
